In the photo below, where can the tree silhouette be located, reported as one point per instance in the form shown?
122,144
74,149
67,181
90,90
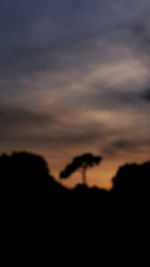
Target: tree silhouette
81,162
132,179
25,174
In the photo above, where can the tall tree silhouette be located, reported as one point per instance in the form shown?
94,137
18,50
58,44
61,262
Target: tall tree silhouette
81,162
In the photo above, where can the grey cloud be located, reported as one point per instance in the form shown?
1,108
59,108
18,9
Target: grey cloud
74,43
116,100
114,148
145,95
13,117
123,145
42,129
70,38
72,51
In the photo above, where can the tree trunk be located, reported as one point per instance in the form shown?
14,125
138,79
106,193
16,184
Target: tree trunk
84,178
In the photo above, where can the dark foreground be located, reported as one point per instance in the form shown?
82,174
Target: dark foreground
38,215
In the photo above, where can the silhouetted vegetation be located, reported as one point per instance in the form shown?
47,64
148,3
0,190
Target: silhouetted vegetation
34,202
81,162
28,174
25,177
132,180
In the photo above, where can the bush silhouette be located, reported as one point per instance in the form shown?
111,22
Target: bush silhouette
132,179
81,162
24,172
26,175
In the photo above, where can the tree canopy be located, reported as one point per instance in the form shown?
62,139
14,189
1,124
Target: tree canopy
80,162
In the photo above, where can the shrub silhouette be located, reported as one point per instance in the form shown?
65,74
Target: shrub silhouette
132,179
25,174
81,162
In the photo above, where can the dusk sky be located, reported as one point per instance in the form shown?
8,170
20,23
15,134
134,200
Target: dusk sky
75,78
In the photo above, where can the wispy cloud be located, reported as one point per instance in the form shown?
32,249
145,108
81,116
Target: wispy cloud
75,74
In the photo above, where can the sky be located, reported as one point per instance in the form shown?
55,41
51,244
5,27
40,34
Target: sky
74,78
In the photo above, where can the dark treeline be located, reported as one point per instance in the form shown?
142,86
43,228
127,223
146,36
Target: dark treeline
38,212
26,174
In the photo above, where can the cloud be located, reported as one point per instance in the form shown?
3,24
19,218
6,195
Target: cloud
126,147
74,74
14,117
146,95
29,125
